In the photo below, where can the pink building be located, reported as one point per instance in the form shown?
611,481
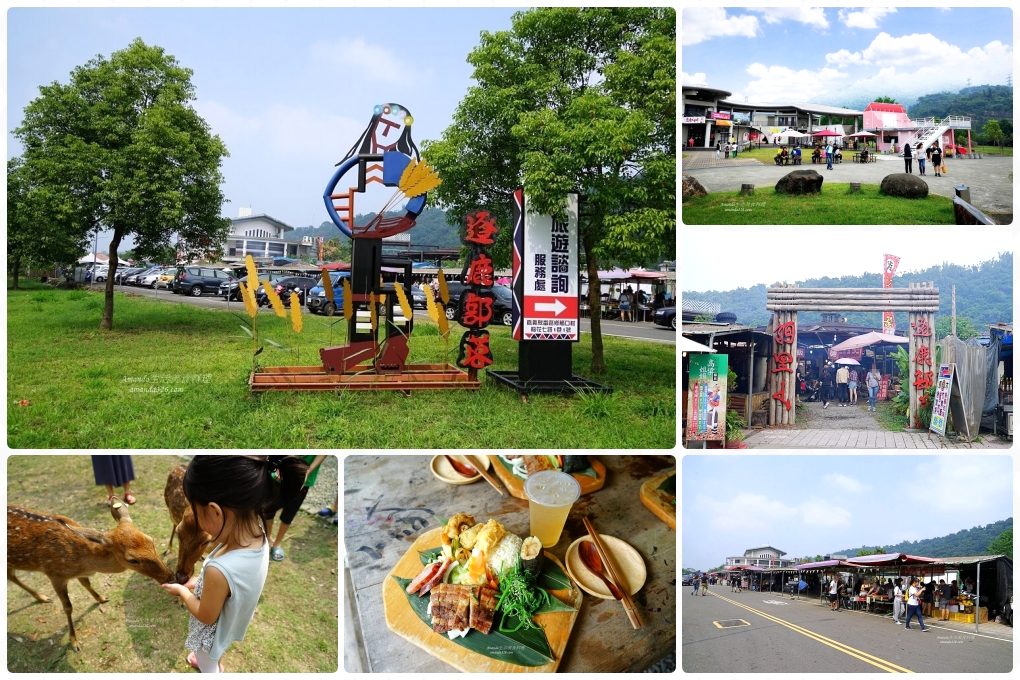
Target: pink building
894,128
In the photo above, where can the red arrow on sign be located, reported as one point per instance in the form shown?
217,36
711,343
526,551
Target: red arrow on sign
546,307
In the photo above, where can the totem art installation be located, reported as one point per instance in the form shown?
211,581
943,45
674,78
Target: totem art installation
378,315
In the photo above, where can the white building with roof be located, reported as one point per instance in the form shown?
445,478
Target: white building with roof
765,556
263,237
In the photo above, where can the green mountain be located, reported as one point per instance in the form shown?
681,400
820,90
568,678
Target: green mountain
981,102
972,541
984,294
430,229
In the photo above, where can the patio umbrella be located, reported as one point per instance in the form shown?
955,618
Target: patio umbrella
849,362
826,133
787,135
868,339
863,134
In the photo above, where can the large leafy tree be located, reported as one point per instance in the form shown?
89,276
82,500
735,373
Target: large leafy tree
1003,543
35,236
572,100
120,147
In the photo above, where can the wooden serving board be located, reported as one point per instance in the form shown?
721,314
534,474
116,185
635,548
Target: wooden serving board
659,502
515,485
405,623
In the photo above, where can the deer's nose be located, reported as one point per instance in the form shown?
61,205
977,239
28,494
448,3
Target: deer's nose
182,578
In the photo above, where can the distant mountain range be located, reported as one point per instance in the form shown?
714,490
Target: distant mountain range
981,102
430,229
984,294
972,541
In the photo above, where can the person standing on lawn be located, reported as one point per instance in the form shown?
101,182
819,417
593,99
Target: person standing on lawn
111,471
296,475
227,494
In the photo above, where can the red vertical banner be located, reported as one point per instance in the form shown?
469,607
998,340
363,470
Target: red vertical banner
889,265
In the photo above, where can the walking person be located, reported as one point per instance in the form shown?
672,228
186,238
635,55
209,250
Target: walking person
827,384
853,386
897,602
696,582
920,159
874,382
936,159
834,594
842,384
907,159
828,156
914,604
718,149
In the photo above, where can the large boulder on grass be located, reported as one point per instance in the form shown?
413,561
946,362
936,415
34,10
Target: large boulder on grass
800,182
692,188
903,185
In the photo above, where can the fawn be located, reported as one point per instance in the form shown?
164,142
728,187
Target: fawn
191,540
63,549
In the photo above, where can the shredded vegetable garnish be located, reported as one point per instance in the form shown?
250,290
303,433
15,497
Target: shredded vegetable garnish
519,598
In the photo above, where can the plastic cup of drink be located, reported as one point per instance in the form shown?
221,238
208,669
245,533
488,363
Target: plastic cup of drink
551,494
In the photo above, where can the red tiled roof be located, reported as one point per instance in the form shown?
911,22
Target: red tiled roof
881,106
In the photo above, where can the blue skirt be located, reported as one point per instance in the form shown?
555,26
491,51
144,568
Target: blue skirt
112,470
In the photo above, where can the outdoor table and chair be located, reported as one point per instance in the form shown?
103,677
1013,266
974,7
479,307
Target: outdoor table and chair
869,158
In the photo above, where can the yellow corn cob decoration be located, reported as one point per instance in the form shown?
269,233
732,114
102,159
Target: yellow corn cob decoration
274,299
249,300
444,325
431,308
405,306
253,274
296,322
373,312
444,291
327,285
348,300
418,178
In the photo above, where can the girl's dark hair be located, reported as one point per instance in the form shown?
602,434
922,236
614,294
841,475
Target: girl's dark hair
241,483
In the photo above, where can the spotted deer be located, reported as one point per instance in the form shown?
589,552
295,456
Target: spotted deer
191,540
63,549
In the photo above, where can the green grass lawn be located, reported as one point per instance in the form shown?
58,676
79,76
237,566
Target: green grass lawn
834,205
993,150
176,376
142,629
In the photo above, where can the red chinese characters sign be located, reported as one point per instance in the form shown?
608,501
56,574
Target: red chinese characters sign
924,377
477,302
784,357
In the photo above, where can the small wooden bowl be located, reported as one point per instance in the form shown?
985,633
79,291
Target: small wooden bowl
628,562
444,472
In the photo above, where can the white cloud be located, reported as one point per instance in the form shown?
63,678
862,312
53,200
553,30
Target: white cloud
812,16
843,58
864,17
699,78
704,23
771,84
365,61
287,131
973,487
751,512
844,482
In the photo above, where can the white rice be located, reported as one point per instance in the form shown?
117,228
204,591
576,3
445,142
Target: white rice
506,553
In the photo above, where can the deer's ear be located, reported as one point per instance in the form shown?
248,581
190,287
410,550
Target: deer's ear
119,511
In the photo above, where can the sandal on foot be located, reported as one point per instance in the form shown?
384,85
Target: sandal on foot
327,512
276,554
109,500
193,662
130,499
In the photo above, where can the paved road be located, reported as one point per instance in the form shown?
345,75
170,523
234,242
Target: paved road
638,330
803,636
989,179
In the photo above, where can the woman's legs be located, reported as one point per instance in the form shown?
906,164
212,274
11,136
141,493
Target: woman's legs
206,664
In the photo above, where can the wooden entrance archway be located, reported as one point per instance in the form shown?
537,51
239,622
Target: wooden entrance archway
920,301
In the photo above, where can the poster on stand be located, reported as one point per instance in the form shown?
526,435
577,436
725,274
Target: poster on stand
940,407
706,398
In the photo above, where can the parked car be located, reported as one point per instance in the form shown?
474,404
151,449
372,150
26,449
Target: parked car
151,279
665,316
195,280
166,279
124,272
284,287
316,301
502,306
455,288
100,271
418,300
133,279
232,290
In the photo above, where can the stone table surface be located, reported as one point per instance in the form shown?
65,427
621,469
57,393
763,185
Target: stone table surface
391,500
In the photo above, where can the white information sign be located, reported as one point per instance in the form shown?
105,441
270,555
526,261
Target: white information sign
550,272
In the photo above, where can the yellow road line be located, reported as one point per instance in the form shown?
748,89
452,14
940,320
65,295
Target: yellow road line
875,661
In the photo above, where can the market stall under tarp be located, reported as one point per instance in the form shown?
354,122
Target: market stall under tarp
993,576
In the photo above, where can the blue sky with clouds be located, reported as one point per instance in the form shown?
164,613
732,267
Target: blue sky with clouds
815,504
840,55
288,90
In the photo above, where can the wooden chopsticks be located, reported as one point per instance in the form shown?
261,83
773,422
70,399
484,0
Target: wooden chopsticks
480,467
628,604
